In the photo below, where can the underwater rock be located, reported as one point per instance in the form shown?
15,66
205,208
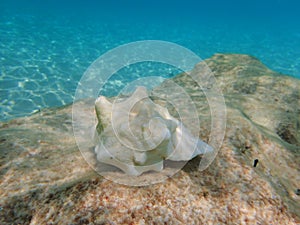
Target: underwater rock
136,135
45,180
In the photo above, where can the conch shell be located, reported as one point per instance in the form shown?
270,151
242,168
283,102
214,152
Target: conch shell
136,135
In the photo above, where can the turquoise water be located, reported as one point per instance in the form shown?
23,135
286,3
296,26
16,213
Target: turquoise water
46,46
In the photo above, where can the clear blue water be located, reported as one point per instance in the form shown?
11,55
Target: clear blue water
45,46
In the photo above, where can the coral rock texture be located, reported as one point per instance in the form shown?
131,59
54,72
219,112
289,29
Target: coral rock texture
45,180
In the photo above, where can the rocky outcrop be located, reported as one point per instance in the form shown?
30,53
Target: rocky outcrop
45,180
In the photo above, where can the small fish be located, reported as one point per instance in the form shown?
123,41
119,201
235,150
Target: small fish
255,162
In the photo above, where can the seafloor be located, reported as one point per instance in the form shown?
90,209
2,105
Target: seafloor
45,180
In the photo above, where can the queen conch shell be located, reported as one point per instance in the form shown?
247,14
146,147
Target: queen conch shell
136,135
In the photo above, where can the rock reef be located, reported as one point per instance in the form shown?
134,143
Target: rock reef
255,178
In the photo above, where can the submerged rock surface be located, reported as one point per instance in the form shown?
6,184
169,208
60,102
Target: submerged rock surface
45,180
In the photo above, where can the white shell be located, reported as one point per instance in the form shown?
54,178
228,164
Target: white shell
136,135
